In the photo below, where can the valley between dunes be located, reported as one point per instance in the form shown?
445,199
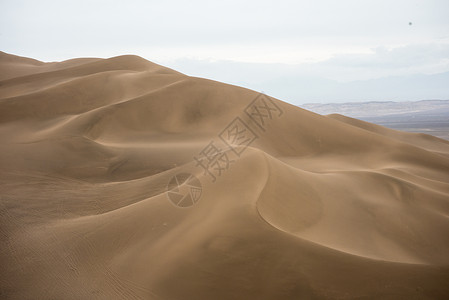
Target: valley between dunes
304,206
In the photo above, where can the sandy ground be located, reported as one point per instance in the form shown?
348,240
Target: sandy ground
123,179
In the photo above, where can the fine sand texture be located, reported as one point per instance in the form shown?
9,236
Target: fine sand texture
123,179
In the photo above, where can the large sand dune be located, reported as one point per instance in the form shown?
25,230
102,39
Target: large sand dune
305,206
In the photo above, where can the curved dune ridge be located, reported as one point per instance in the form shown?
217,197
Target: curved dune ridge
305,207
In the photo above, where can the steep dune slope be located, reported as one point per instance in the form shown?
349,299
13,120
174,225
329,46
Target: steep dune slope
295,205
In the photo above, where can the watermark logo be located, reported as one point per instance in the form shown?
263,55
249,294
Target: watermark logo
184,189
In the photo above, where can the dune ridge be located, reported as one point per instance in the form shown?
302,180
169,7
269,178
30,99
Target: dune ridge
315,207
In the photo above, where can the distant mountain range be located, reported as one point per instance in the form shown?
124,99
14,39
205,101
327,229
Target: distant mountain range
426,116
298,84
381,108
396,88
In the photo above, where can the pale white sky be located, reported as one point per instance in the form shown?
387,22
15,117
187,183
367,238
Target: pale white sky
333,40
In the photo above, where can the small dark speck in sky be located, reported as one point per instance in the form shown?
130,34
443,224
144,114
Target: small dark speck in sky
410,23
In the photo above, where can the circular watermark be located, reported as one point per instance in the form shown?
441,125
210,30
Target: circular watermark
184,189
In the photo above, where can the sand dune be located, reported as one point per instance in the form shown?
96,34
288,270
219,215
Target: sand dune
304,206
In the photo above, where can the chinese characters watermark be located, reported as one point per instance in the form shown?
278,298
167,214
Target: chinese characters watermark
185,189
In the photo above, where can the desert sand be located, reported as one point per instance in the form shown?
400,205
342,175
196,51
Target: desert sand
279,202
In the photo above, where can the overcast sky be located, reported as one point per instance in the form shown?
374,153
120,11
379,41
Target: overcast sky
236,41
